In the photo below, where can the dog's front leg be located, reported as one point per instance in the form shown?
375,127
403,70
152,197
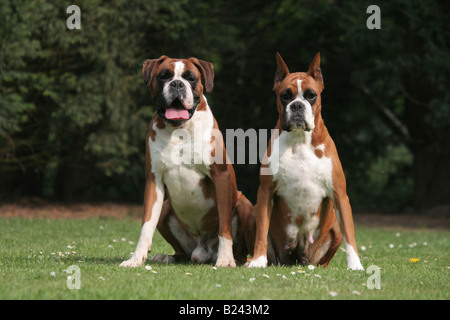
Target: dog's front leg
263,211
153,201
345,218
220,175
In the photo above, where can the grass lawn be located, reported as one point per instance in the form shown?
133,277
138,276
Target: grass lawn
35,254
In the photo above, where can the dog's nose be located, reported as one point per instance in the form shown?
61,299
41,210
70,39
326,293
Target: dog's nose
297,106
177,84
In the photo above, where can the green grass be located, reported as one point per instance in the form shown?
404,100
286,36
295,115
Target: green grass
35,252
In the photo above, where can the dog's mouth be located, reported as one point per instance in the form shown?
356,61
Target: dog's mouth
176,111
175,114
297,123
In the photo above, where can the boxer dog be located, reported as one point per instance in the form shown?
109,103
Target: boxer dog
307,189
204,213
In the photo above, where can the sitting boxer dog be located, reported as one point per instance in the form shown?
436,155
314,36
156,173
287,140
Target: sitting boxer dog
307,188
204,213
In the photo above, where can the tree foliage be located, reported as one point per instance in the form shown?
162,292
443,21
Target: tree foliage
74,111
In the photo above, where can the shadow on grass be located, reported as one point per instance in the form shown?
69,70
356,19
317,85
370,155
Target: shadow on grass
118,260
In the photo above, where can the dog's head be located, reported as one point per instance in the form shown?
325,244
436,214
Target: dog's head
176,86
298,95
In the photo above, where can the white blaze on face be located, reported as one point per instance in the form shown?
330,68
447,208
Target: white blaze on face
299,89
179,69
308,112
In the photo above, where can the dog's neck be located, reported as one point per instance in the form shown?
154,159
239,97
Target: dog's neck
298,136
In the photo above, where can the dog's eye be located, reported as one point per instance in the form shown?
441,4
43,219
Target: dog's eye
310,95
286,96
165,75
189,76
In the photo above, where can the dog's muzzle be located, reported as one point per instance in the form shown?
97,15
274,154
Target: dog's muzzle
173,109
298,115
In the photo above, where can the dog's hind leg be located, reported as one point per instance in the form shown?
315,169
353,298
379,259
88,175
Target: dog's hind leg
329,238
173,232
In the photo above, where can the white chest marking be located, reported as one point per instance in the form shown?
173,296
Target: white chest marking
182,158
302,179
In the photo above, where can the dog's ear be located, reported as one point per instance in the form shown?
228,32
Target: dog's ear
149,68
315,72
282,71
207,71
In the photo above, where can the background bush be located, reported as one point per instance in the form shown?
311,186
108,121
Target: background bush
74,110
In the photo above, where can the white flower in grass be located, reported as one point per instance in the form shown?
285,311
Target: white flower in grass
332,293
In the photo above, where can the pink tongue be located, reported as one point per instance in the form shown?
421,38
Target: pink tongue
177,114
310,237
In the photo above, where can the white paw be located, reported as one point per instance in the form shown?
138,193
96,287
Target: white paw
353,261
355,266
225,256
260,262
226,263
134,261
